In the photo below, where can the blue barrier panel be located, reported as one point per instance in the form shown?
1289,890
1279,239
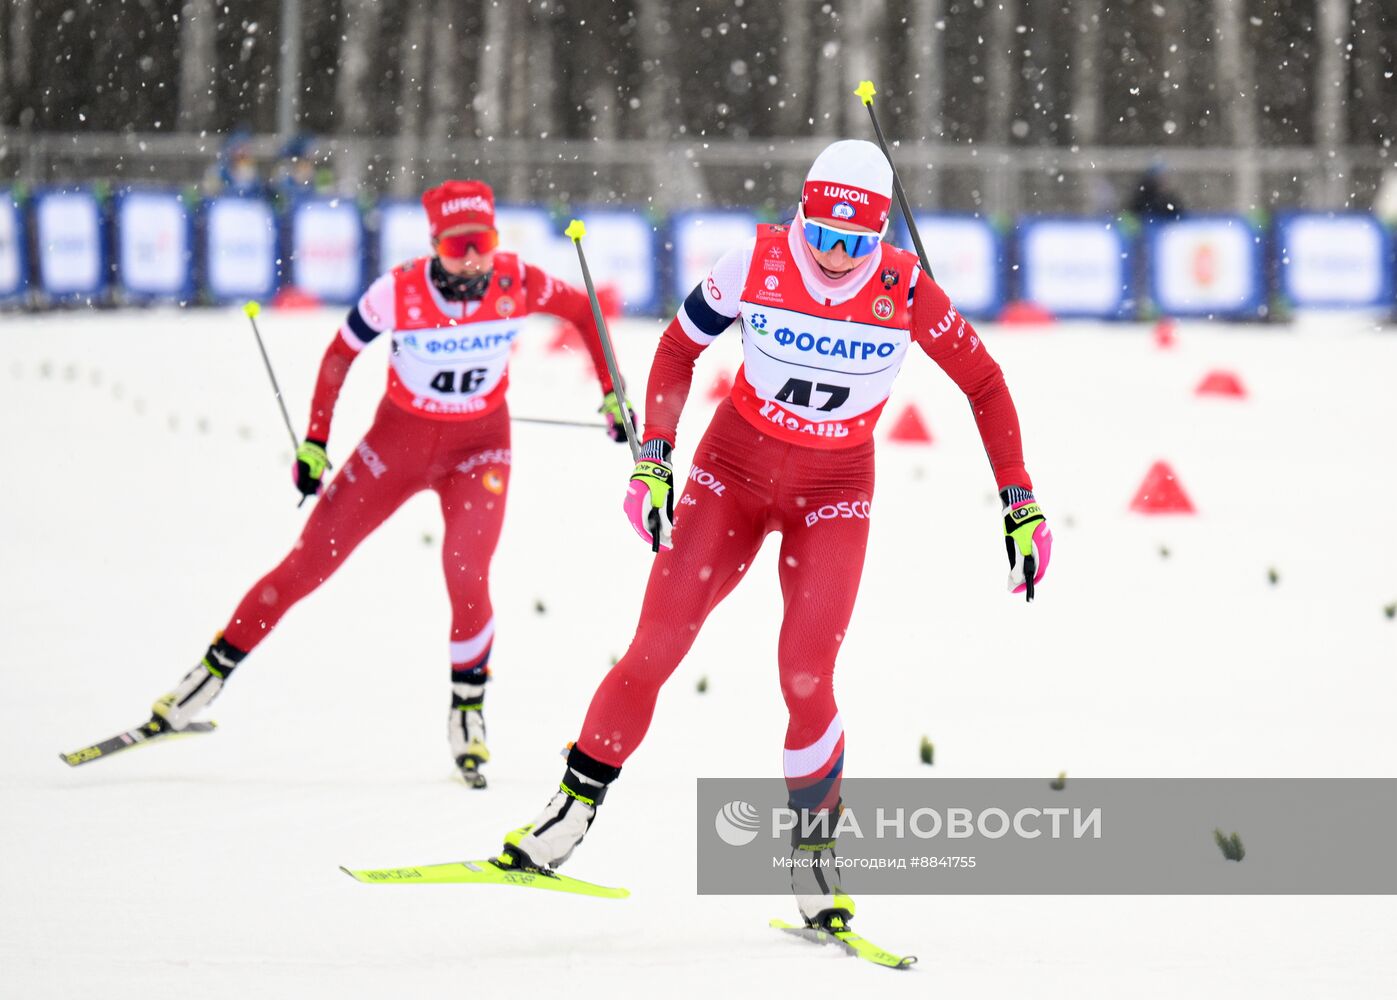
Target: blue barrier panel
1334,260
240,248
327,249
154,249
1206,265
14,263
71,243
532,234
403,234
966,255
1076,267
699,239
621,252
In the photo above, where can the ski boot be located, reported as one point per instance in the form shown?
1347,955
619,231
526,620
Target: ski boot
176,710
465,726
551,838
815,875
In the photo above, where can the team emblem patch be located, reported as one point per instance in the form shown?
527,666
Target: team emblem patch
883,307
757,322
771,282
505,282
505,306
493,481
843,210
888,277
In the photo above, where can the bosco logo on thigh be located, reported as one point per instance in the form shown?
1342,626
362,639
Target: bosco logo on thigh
842,510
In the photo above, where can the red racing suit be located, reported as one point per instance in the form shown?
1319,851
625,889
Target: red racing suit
791,451
442,425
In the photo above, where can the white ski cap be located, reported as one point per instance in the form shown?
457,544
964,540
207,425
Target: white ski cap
850,180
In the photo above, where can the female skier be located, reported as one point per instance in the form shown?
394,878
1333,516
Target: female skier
442,425
828,311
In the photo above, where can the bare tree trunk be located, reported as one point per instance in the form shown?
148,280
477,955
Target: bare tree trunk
517,114
1086,73
1331,93
21,46
1235,84
829,80
412,97
352,119
795,70
928,84
494,53
1369,59
519,119
1000,49
1037,102
7,91
659,103
862,21
1173,79
197,64
289,75
443,121
1000,52
542,87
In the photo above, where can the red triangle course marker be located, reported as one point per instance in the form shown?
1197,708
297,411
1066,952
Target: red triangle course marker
910,428
1220,382
721,387
1161,493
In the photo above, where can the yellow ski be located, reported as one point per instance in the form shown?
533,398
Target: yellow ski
488,872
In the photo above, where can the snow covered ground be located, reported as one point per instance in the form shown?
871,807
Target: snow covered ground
146,487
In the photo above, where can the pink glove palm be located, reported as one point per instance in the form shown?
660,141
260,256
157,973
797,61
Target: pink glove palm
1027,539
649,503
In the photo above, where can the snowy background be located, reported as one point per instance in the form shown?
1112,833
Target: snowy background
148,486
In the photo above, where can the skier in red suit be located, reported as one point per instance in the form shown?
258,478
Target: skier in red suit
443,425
827,313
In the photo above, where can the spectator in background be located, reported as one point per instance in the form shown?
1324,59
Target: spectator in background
1385,199
1385,210
1152,199
297,173
236,170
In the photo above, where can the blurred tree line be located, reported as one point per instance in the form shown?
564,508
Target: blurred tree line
1167,73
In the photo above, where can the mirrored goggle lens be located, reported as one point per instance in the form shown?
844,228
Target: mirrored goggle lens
456,244
823,239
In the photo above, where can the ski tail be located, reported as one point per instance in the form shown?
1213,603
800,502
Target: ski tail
852,943
154,731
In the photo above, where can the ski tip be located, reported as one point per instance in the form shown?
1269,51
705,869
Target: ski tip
67,758
350,873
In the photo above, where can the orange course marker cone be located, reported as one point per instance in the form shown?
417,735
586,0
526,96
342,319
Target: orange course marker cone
910,428
721,387
1161,493
1221,383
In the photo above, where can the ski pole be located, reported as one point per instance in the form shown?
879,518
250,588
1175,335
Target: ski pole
865,93
575,231
251,309
558,423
